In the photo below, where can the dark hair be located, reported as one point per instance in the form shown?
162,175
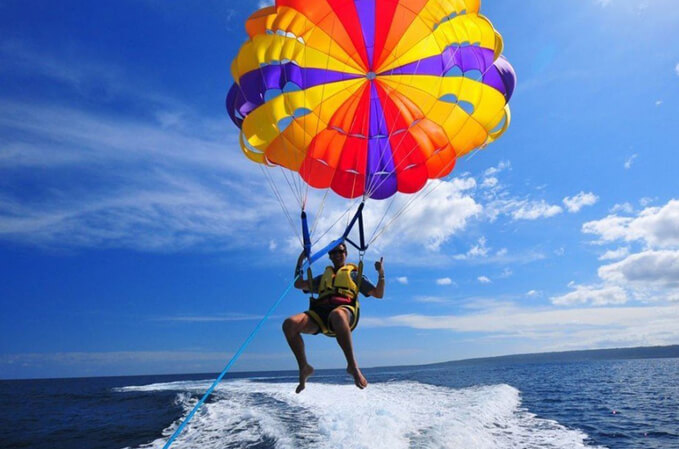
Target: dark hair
341,247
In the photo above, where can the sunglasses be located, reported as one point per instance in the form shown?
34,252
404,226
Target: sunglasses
337,251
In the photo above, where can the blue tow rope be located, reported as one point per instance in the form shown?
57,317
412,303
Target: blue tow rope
228,365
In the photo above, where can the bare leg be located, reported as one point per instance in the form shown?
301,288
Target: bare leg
293,327
340,324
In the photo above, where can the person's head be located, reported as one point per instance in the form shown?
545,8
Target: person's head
338,255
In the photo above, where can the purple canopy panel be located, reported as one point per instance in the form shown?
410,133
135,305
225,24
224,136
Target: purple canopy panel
381,178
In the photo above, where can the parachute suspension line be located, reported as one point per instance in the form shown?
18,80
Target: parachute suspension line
279,198
384,215
233,360
345,213
418,195
294,188
321,209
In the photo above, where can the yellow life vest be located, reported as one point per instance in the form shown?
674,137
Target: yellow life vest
338,283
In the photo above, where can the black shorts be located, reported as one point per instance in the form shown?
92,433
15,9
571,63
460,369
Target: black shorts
320,313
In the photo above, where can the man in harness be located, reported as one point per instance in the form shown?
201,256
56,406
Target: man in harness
334,313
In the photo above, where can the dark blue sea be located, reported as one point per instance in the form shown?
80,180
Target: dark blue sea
482,404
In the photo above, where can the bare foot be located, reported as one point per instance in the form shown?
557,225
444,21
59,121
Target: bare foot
304,374
359,380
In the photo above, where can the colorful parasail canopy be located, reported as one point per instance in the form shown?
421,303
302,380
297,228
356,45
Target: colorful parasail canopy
369,97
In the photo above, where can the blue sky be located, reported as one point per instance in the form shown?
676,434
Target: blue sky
136,238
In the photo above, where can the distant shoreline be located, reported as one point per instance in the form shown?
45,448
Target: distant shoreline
639,352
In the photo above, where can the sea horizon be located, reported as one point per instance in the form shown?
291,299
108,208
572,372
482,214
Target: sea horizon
617,353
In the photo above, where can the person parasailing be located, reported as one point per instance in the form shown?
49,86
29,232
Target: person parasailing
335,312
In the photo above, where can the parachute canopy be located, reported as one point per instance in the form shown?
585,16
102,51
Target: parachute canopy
369,97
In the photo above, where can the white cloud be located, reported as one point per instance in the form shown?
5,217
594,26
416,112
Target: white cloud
532,210
506,273
624,207
402,280
649,275
630,160
478,250
483,279
519,209
431,299
656,226
265,3
492,171
444,281
598,296
615,254
574,204
272,245
648,269
489,182
602,3
533,293
645,201
676,69
658,102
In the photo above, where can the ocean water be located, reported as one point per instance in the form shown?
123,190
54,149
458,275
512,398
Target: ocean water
482,404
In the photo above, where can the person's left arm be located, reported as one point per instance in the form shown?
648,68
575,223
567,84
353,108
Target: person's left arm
378,291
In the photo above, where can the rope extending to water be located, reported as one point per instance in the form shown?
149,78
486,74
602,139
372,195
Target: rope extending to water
229,365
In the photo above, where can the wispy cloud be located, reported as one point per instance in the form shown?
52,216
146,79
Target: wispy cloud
615,254
484,279
403,280
477,250
575,327
630,160
431,299
624,207
532,210
577,202
210,318
493,171
676,69
595,295
444,281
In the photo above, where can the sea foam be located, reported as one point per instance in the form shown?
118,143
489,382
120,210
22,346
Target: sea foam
392,415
